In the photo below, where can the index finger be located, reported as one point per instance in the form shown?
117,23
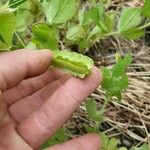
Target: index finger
20,64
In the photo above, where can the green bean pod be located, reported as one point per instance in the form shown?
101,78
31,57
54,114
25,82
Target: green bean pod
73,63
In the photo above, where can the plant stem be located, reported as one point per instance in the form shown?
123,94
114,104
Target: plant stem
112,33
104,105
145,26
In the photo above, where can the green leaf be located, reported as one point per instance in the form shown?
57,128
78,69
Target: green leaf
45,36
50,8
96,31
7,29
59,11
74,32
107,78
58,137
25,16
84,17
116,80
105,141
143,147
146,9
121,65
83,44
133,33
130,18
106,23
94,14
73,63
113,144
92,110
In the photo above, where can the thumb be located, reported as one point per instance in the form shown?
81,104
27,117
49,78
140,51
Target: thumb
86,142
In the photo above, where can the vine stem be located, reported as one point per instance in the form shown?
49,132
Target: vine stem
145,26
104,105
112,33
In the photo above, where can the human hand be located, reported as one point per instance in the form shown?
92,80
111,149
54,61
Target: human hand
35,101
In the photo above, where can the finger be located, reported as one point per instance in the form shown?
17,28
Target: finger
3,110
10,140
86,142
20,64
35,101
54,113
29,86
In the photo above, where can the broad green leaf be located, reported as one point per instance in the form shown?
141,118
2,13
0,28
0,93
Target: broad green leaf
121,65
146,9
133,33
96,31
96,13
45,36
74,32
130,18
51,8
59,11
24,16
92,110
106,22
86,18
7,29
67,9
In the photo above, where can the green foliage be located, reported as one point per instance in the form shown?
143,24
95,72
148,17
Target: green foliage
143,147
59,11
146,9
130,18
133,33
116,80
109,144
45,36
57,138
25,16
7,27
92,112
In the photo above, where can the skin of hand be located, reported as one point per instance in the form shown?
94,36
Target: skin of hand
35,101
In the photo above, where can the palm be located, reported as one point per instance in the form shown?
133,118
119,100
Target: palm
32,99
